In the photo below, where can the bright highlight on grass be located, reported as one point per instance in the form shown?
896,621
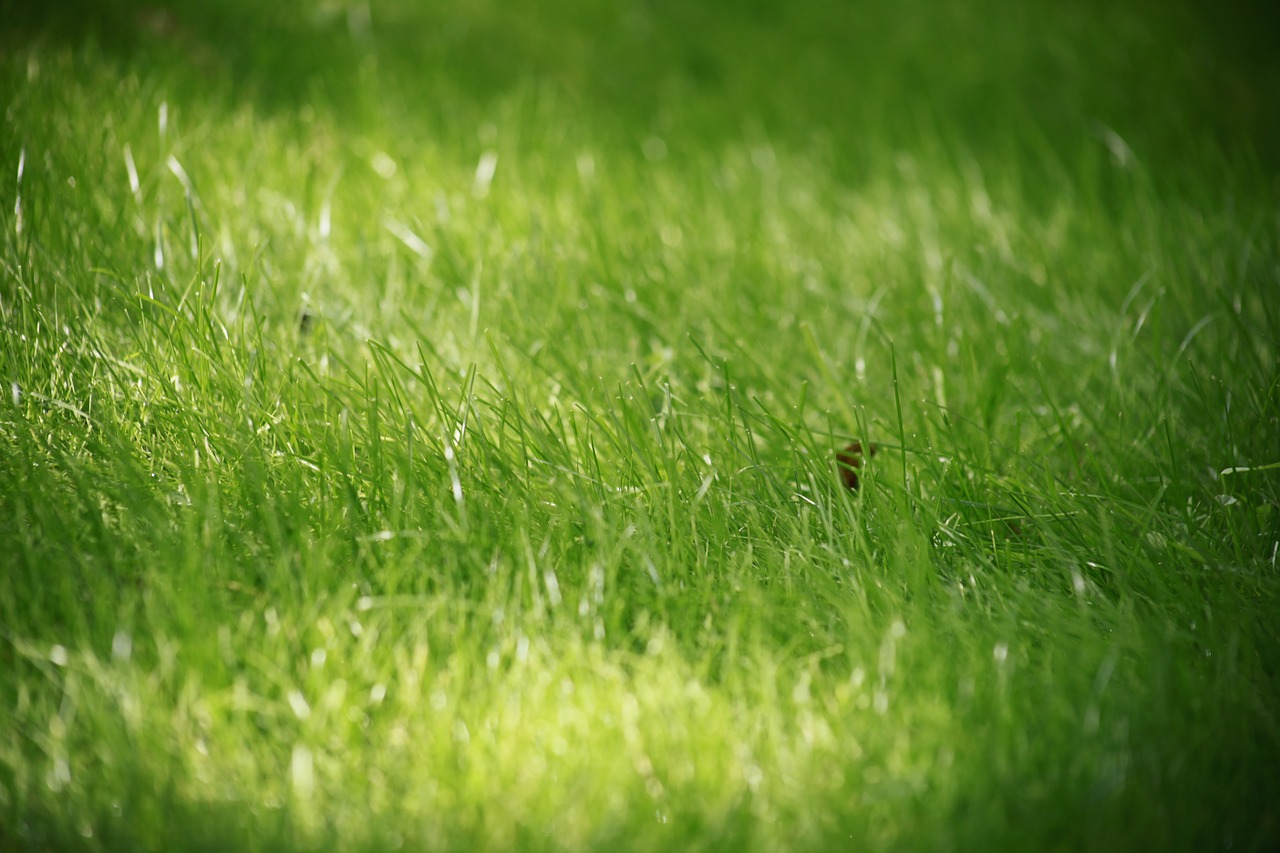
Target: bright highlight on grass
429,428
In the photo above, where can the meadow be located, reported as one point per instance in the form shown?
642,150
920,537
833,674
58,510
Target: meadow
419,426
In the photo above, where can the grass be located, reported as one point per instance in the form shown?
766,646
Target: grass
419,427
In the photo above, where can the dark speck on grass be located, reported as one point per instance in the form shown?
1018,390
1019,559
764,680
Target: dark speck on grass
849,461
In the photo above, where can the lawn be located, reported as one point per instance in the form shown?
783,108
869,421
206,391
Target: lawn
419,425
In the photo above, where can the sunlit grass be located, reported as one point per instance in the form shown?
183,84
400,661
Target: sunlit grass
420,449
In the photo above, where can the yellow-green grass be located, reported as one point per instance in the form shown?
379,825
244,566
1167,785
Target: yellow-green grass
419,427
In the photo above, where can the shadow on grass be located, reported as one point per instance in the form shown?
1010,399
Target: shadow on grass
1155,73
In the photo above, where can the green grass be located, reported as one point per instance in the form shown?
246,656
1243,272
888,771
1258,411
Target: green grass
419,427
